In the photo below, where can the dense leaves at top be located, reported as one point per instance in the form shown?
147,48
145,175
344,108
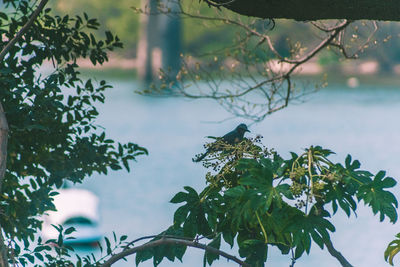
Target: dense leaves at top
257,199
53,136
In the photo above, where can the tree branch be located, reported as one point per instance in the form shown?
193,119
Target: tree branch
337,254
171,241
23,30
306,10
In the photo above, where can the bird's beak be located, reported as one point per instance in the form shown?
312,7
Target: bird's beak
248,131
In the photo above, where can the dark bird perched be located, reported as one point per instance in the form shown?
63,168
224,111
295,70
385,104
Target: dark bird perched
231,138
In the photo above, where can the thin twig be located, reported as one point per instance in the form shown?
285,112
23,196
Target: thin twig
211,3
293,258
325,29
154,236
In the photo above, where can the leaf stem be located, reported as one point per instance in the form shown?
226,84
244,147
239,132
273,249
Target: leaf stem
262,228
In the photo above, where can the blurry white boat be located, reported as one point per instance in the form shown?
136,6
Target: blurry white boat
76,208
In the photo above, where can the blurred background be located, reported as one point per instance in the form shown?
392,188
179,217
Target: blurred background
198,37
357,113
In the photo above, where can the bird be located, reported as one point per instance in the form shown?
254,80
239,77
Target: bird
233,137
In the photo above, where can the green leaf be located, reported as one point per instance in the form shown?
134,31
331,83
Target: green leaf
211,257
69,231
235,192
192,196
3,16
374,195
317,239
190,225
388,182
30,258
228,237
180,214
39,256
179,197
392,250
284,189
143,255
255,251
108,246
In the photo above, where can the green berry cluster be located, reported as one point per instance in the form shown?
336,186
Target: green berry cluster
297,189
333,176
318,186
297,173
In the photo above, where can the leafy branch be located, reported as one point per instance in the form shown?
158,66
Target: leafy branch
23,30
47,129
257,199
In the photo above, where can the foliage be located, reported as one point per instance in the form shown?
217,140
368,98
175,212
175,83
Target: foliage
54,252
254,197
116,16
53,136
57,253
392,250
257,199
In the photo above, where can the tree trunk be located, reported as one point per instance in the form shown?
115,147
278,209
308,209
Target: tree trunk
148,41
171,40
315,9
3,158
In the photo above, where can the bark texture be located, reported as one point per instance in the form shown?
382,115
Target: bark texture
343,261
3,158
304,10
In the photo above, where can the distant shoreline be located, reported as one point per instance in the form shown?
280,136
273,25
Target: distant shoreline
365,71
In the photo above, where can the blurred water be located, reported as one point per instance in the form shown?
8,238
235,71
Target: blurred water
363,122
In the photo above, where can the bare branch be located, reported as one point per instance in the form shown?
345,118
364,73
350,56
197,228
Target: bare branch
354,55
253,79
171,241
23,30
323,27
322,44
210,3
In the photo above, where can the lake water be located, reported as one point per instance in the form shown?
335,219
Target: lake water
364,122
